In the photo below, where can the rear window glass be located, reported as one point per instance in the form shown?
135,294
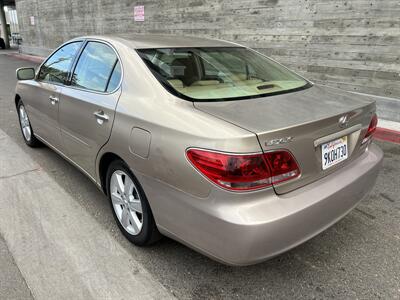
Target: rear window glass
206,74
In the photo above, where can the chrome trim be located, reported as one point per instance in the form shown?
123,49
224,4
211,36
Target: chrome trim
97,40
279,141
50,55
76,58
53,100
101,115
336,135
343,121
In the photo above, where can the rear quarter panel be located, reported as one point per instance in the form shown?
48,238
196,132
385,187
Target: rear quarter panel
173,125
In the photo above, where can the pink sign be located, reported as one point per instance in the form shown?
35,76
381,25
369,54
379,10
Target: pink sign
138,13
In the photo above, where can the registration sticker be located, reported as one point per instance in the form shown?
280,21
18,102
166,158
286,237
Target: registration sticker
334,152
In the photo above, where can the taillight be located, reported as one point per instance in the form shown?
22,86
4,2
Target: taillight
241,172
283,166
371,129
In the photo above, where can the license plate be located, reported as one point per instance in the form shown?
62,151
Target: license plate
334,152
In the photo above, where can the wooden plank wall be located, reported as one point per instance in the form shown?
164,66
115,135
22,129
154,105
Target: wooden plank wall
353,44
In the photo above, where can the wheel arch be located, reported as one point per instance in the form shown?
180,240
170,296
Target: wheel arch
17,98
105,160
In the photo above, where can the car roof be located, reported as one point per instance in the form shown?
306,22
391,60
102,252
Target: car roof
145,41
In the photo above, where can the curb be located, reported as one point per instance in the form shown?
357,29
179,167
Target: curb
31,58
387,131
387,135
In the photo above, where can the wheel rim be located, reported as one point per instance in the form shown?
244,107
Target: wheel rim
126,202
25,124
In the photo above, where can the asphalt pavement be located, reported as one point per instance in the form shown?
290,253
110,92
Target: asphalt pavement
358,257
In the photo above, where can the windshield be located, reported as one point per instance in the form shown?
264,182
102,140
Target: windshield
206,74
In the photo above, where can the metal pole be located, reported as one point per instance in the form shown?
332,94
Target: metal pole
4,32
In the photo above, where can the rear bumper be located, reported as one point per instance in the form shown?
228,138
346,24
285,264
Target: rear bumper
243,229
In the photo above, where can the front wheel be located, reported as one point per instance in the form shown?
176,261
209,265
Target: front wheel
129,204
26,127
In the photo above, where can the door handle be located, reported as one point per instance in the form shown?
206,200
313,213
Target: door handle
53,100
101,116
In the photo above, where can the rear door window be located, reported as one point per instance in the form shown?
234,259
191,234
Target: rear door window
57,67
94,67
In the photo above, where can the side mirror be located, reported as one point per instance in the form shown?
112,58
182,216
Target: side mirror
25,73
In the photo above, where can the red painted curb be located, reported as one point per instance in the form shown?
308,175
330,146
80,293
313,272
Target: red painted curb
387,135
31,58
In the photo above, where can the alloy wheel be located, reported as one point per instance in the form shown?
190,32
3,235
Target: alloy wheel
126,202
25,124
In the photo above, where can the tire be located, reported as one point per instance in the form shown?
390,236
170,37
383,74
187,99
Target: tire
129,205
26,128
2,44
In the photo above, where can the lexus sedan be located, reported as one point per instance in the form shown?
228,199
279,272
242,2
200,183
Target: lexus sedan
205,141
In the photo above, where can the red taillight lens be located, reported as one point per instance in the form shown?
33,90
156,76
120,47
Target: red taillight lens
244,172
283,166
371,129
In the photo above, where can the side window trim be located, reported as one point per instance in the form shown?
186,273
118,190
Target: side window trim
110,75
51,55
75,62
78,56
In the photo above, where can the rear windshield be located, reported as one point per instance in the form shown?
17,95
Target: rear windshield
215,74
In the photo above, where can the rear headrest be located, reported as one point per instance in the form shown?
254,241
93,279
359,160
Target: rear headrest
184,68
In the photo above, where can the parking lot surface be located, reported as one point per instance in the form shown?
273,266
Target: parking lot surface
358,257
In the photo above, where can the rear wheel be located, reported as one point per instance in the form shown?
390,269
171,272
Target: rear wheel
129,204
26,128
2,44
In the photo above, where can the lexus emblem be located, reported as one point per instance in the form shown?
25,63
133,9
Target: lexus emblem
344,121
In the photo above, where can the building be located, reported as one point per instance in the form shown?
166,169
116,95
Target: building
353,44
8,23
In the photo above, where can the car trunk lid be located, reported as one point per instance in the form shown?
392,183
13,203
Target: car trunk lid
301,122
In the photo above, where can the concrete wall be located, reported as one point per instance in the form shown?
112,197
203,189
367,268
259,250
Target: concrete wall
353,44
